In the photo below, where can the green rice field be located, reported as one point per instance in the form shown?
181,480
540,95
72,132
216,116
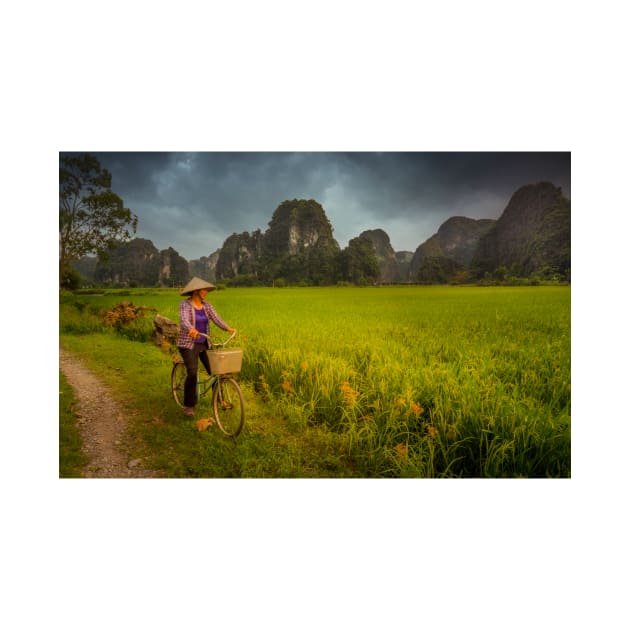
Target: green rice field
398,381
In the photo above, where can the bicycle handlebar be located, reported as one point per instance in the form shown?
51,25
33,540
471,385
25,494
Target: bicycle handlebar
219,345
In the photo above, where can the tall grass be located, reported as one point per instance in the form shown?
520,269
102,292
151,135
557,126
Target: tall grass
413,381
71,457
426,381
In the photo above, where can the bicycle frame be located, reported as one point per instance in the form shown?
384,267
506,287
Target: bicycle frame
207,384
204,385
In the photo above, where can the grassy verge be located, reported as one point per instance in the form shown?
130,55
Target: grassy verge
272,444
71,458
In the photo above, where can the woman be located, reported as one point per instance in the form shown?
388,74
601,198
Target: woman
194,318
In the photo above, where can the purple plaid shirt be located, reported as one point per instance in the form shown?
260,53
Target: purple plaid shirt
187,321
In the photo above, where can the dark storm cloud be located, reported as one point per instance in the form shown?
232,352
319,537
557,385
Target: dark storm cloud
193,201
439,182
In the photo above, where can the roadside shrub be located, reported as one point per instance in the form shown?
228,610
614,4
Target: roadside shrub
137,330
130,321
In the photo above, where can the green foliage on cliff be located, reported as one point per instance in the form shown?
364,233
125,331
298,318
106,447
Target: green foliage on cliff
299,247
533,235
240,256
139,263
358,263
531,240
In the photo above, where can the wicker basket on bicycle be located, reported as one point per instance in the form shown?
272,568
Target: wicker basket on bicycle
225,361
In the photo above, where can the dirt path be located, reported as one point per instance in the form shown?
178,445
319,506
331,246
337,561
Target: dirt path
102,424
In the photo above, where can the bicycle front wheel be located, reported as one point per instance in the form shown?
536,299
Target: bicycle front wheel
178,378
229,407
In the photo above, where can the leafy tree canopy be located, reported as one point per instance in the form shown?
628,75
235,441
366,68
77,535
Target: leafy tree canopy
92,218
358,263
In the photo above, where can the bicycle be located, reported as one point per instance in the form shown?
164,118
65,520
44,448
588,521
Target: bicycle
227,398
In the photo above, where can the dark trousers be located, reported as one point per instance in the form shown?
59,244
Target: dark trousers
191,361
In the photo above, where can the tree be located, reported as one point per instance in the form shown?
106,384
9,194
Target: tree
70,279
358,263
92,218
500,273
461,277
437,270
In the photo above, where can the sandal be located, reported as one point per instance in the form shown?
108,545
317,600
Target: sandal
189,411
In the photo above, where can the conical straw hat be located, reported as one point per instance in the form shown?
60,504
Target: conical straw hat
195,284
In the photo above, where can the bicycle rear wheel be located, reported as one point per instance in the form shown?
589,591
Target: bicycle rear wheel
229,407
178,378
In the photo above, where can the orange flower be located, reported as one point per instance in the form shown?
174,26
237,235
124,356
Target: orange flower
417,409
400,402
304,366
287,387
432,431
401,451
350,395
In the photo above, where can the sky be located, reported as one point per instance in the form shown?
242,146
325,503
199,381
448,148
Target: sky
194,201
